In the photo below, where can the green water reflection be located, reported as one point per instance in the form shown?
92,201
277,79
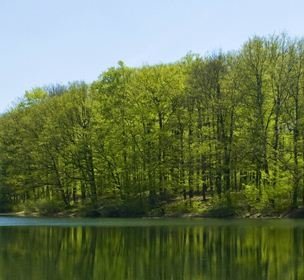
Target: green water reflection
234,250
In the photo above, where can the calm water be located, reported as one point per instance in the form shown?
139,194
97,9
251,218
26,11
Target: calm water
34,248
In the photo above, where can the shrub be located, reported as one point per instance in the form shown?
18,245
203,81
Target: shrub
49,207
5,203
29,207
256,199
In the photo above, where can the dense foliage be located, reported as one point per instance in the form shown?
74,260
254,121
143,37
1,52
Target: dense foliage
228,127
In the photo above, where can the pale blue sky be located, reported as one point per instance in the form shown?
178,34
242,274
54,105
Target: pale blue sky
57,41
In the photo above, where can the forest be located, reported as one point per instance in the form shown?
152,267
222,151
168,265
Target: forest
221,133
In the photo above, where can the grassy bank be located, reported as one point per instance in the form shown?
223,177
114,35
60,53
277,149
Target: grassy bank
212,207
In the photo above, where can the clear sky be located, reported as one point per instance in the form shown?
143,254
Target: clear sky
57,41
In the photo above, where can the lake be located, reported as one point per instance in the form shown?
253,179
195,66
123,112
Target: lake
46,248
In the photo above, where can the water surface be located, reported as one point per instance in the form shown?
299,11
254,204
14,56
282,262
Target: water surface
39,248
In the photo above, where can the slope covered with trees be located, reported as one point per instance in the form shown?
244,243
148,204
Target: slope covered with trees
222,131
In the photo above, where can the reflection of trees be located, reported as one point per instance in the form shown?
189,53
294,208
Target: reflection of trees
190,252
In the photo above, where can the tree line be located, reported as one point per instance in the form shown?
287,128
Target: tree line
224,125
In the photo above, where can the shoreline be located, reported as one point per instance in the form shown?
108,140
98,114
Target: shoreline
291,214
